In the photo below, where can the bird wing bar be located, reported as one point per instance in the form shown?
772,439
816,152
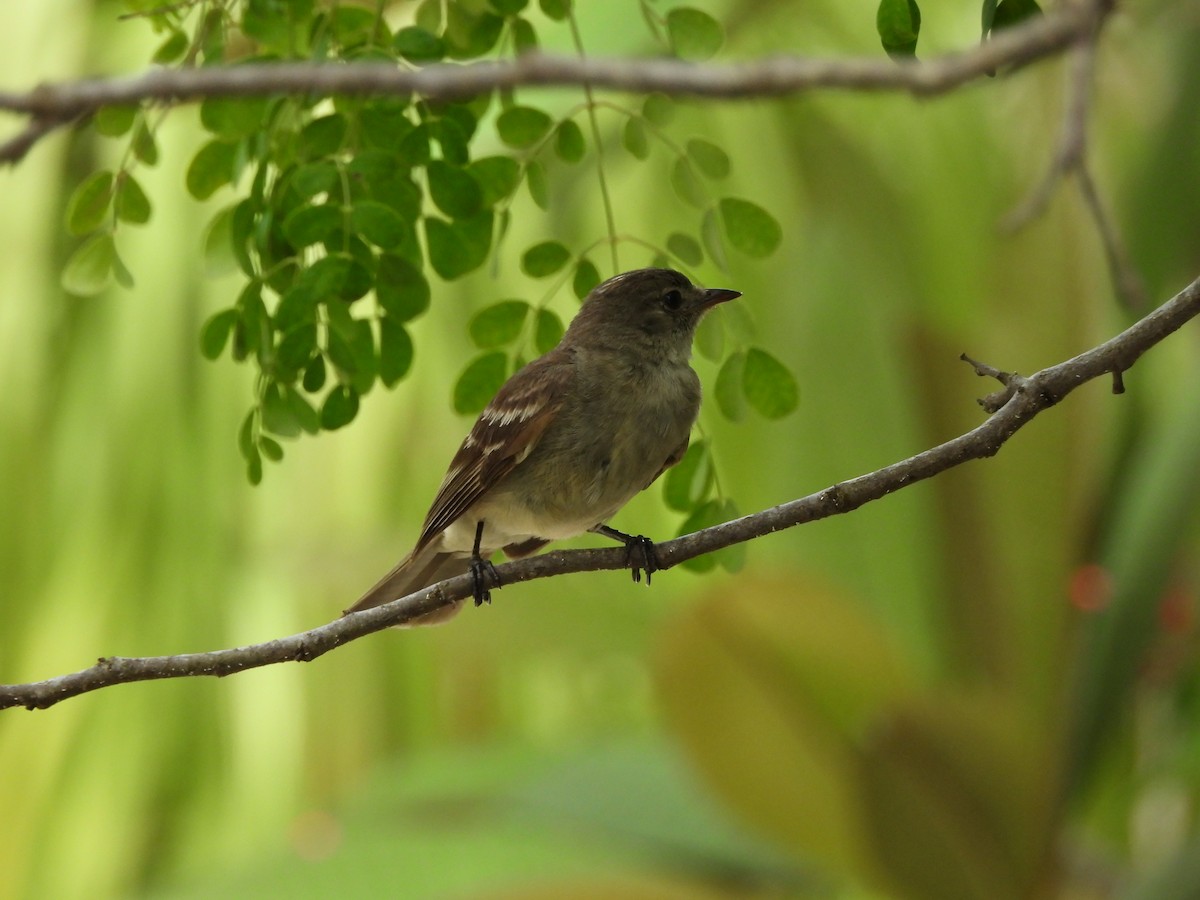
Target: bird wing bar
502,437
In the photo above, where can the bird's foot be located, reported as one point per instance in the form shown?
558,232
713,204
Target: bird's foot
640,555
484,577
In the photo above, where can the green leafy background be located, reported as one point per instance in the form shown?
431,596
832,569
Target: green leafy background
984,686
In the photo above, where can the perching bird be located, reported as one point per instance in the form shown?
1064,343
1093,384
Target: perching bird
568,439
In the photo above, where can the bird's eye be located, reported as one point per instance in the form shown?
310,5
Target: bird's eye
672,299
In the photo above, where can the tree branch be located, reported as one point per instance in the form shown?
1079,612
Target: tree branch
1017,403
55,104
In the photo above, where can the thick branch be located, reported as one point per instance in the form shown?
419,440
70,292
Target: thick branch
772,77
1026,397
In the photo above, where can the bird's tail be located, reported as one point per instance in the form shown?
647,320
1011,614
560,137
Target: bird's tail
418,570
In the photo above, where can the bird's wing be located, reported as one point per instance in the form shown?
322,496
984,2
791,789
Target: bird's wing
671,460
502,437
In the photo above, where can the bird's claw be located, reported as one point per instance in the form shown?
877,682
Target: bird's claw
484,577
641,556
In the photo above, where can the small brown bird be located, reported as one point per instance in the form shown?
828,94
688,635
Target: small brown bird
568,440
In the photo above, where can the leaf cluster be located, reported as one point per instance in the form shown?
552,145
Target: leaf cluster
345,210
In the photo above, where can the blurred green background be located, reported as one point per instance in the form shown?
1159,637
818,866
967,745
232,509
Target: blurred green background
985,686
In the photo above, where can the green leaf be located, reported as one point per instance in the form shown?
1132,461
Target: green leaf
429,15
556,9
254,472
633,136
1013,12
215,333
89,204
270,448
459,247
689,482
395,351
769,387
308,225
314,178
302,410
898,23
401,288
710,234
523,126
340,407
144,146
508,7
384,122
210,168
539,190
296,349
378,223
277,415
234,117
90,268
479,382
337,275
524,37
587,276
341,353
499,324
685,248
172,49
321,137
418,45
987,16
361,338
710,338
548,331
693,34
750,228
659,109
710,159
298,304
453,190
687,186
114,121
544,259
730,393
314,375
569,142
703,516
220,257
497,177
469,34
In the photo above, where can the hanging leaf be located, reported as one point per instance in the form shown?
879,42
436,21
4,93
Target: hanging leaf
544,259
499,324
750,228
693,34
768,385
89,204
479,382
898,23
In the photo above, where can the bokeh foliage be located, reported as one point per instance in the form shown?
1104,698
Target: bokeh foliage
983,686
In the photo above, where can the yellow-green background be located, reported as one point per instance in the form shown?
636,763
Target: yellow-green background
714,735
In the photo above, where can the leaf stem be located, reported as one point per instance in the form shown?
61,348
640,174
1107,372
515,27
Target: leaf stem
609,219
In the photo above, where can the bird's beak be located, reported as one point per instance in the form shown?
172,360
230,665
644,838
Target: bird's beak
713,296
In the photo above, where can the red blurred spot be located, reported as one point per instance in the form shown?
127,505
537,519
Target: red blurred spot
1176,612
1090,588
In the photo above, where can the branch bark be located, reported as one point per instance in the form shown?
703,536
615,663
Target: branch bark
51,105
1021,399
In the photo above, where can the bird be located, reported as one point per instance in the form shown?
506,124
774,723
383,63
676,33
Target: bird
568,440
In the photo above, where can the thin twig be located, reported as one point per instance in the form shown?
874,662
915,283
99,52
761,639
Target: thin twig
1028,397
1022,45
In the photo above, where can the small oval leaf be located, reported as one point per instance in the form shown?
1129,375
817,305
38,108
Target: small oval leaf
768,385
750,228
479,382
499,324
